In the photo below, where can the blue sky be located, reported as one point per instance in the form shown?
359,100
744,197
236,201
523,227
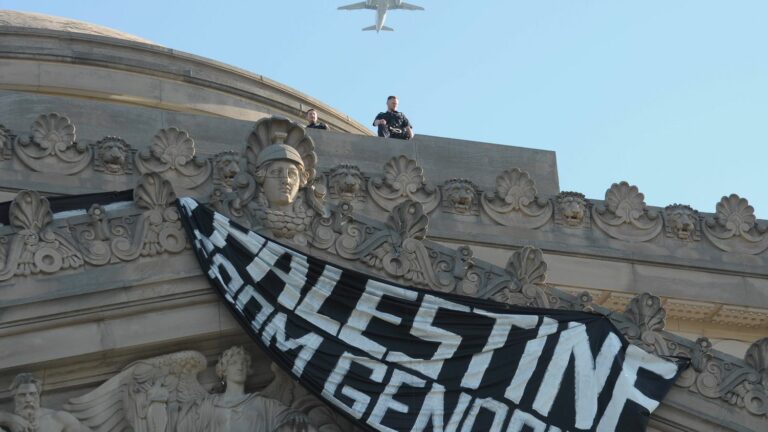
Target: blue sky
670,95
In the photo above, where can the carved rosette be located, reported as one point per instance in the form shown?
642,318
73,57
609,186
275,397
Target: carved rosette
571,210
461,196
36,247
515,203
624,216
172,154
682,222
5,143
112,155
734,227
403,180
51,147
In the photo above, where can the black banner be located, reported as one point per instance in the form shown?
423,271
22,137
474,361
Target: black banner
395,358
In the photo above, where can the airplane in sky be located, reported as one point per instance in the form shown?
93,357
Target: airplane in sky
381,7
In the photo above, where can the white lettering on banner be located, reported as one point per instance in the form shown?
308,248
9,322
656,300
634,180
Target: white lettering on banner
246,295
432,378
529,360
423,328
521,418
625,388
498,409
590,373
294,281
235,282
360,399
352,332
503,323
275,330
433,410
316,297
386,401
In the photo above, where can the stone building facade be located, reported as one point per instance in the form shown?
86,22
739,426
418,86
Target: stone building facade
108,312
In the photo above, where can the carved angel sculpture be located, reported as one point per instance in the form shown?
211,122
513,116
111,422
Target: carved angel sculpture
162,394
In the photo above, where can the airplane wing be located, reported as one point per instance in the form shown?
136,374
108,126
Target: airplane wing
408,6
353,6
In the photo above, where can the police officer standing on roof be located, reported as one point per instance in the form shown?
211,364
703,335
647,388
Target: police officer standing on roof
393,123
312,119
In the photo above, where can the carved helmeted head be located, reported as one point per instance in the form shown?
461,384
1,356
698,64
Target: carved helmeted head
234,365
682,221
280,172
281,158
346,180
26,390
112,152
461,195
572,206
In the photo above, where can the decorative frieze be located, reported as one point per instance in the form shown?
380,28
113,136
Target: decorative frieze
172,154
734,227
51,146
515,202
624,215
403,180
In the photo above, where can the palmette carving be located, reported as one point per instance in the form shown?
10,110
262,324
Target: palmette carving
515,202
403,180
646,319
51,147
172,154
624,216
734,227
36,247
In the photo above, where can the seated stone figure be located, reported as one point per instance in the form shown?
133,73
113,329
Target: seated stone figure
235,410
29,416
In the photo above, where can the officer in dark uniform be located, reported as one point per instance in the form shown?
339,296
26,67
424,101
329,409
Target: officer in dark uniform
313,123
393,123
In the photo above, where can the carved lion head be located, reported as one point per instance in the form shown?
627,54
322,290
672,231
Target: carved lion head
227,166
682,221
461,194
346,180
113,153
572,206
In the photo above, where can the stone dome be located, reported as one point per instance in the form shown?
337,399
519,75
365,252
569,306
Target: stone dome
9,18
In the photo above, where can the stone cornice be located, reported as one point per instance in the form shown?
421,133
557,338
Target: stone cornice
114,54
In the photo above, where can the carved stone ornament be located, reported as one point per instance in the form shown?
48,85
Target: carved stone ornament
515,203
29,415
461,196
112,155
682,222
646,319
5,143
277,193
734,227
52,147
163,394
625,216
347,183
571,210
226,166
172,154
399,250
528,271
36,247
403,180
